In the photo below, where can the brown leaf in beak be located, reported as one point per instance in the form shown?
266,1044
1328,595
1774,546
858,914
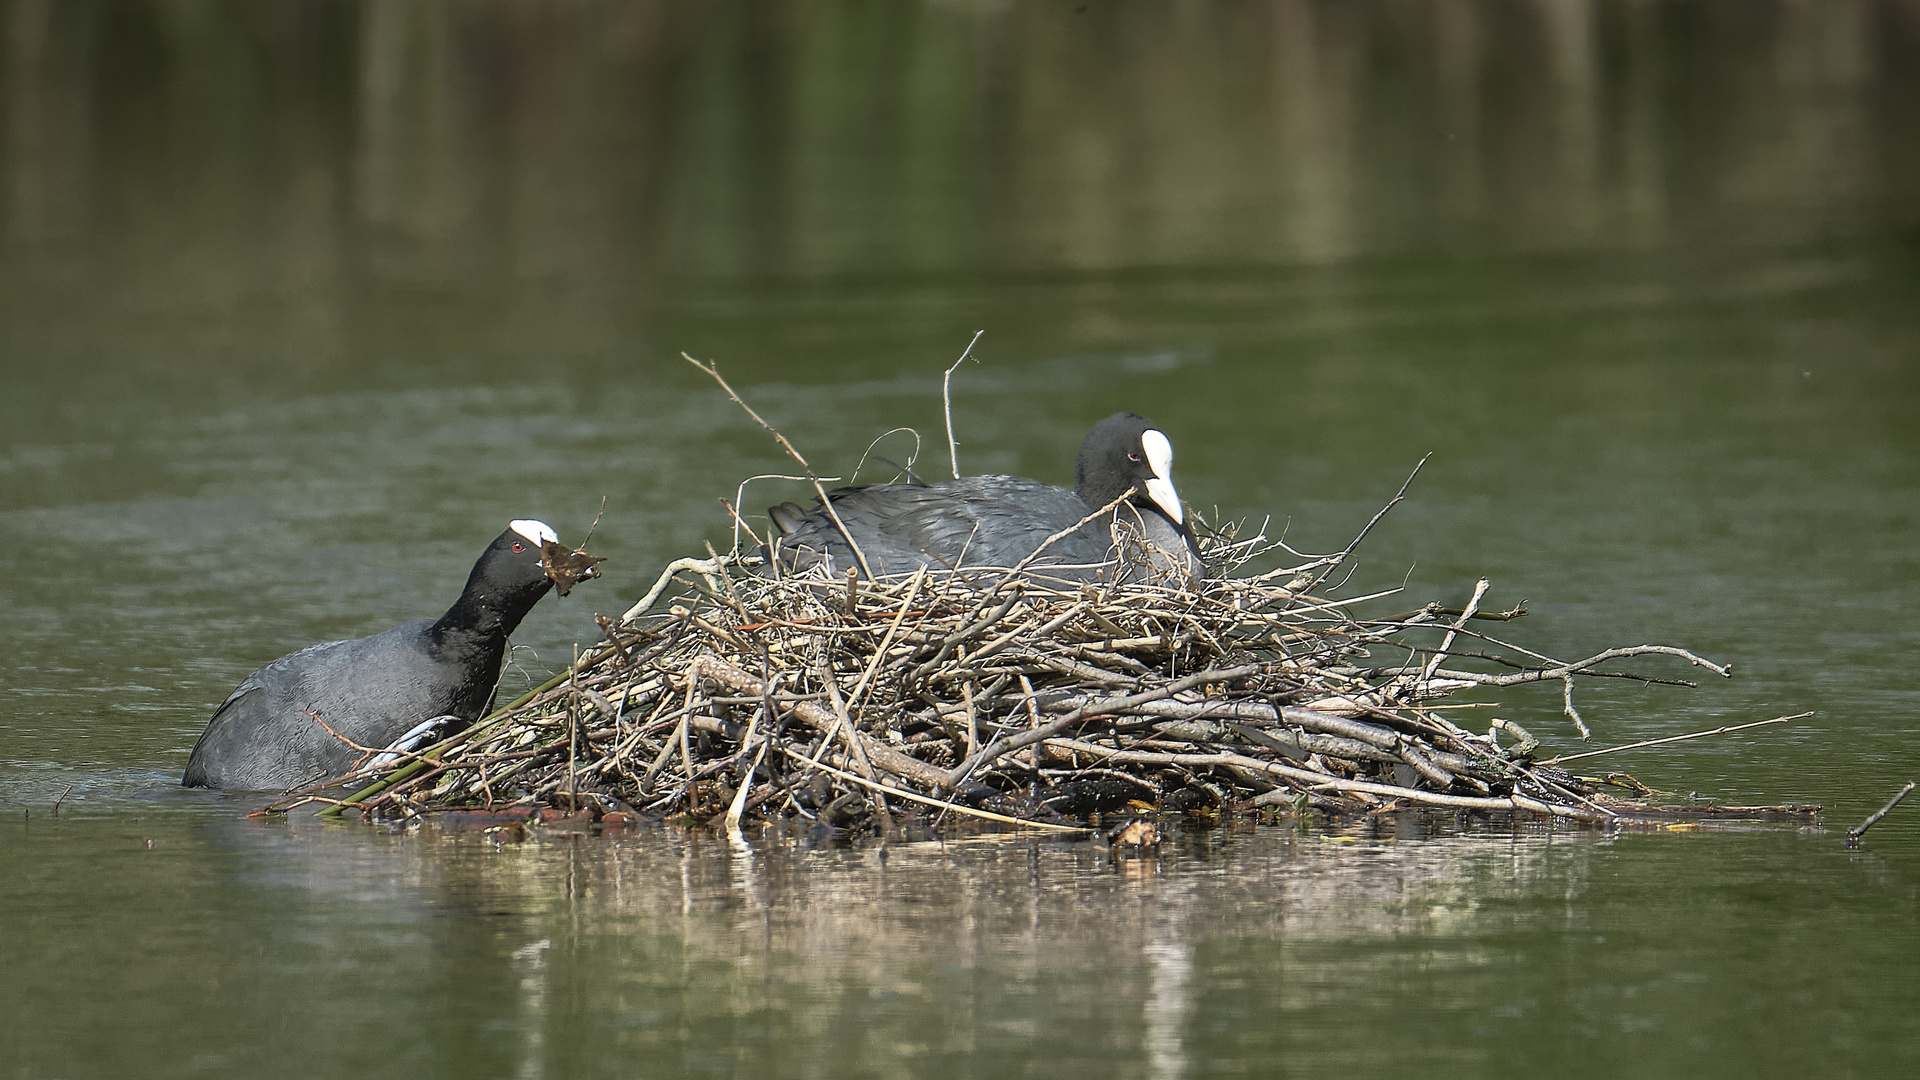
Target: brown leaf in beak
566,567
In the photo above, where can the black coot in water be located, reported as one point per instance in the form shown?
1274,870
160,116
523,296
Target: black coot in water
268,734
999,520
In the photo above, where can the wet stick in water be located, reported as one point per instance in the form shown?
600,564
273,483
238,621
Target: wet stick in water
1854,834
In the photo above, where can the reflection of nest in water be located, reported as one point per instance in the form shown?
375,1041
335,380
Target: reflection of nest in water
1003,694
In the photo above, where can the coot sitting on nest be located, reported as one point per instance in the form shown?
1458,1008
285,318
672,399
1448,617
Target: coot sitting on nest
996,521
272,732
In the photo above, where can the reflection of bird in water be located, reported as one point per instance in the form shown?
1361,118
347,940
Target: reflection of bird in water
289,723
996,521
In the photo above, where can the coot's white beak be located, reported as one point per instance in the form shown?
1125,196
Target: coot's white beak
537,532
1160,485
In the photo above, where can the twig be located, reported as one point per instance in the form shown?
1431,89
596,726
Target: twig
1854,834
1001,746
819,489
1573,714
596,521
957,808
740,498
946,401
1335,560
1675,738
1479,590
740,797
698,566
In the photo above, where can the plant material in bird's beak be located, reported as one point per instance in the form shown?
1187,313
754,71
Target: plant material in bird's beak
567,567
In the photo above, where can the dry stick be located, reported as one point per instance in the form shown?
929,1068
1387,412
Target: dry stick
365,751
1322,780
973,716
862,463
686,751
943,804
741,523
1479,590
739,804
1560,669
1033,715
883,757
1435,609
1334,561
946,400
1854,834
844,724
886,641
1004,745
679,737
1573,713
819,489
63,798
1676,738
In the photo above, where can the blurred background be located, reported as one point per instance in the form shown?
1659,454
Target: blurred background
389,190
300,302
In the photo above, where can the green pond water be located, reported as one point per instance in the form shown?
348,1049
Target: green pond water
300,303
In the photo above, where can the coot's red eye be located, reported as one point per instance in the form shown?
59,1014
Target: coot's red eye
517,546
1133,457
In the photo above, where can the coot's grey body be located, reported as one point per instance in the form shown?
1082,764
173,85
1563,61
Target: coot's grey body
268,734
997,521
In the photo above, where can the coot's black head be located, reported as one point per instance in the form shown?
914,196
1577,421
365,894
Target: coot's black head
510,577
512,562
1127,451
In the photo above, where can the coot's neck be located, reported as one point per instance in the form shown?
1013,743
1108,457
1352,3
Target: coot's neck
487,612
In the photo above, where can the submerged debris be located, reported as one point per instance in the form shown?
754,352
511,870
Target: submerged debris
1008,695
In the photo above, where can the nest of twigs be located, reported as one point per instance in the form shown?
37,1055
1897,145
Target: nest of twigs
1005,694
1013,695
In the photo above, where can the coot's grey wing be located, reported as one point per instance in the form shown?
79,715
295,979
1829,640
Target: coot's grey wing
372,689
987,520
811,537
998,521
222,745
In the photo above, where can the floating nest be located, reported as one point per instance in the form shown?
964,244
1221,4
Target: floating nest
1007,695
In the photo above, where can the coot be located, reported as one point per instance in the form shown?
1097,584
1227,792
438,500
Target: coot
271,732
996,521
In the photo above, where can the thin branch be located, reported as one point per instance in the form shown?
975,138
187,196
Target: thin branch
946,401
819,489
704,567
1854,834
1335,560
1675,738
